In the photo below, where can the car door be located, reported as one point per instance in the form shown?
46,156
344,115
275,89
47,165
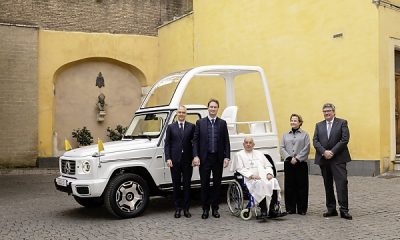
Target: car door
191,117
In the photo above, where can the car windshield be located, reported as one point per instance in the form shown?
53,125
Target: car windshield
147,125
162,92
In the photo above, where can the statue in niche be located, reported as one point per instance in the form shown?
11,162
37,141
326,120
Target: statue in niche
101,102
100,80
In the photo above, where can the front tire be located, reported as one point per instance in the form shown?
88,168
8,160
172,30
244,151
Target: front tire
90,202
246,214
126,195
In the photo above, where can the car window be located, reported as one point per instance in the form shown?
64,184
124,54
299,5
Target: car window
190,117
146,125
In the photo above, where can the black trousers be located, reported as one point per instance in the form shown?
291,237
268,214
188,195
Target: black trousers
208,197
296,187
181,174
338,173
263,203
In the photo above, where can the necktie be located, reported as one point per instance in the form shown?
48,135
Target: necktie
181,128
212,135
329,128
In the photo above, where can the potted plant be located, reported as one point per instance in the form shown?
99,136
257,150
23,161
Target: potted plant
83,136
117,133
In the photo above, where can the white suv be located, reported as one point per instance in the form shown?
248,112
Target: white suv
128,172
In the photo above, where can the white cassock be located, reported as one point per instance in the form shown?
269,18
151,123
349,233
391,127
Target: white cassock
256,164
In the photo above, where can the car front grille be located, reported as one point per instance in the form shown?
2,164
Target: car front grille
68,167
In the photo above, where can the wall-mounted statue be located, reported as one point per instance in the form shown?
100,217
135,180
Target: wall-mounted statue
101,102
100,80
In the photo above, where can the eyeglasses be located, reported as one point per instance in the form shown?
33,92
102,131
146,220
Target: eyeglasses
326,111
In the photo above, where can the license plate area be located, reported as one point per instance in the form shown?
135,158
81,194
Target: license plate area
61,182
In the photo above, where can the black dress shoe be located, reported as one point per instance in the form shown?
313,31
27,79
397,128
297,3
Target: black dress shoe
282,214
177,213
290,212
272,214
263,217
205,214
187,214
215,213
330,214
346,215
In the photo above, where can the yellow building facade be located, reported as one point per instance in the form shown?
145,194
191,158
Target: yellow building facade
59,51
312,52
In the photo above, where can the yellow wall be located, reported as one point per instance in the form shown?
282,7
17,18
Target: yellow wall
389,39
293,41
176,47
56,49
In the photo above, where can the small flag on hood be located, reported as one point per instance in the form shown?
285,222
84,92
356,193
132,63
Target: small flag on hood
67,145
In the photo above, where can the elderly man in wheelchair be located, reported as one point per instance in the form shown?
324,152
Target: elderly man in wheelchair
255,176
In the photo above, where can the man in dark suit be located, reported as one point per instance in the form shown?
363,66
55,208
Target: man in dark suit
211,151
330,140
178,154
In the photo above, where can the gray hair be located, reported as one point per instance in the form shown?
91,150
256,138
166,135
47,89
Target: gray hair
329,105
182,106
248,138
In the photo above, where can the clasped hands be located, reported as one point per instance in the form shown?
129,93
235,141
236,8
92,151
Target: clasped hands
328,154
255,177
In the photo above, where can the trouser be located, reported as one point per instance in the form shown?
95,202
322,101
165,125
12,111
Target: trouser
338,173
296,187
263,203
181,174
209,197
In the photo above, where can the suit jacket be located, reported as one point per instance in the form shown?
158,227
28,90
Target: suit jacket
200,140
337,142
175,143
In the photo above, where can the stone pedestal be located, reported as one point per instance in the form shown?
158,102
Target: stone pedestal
101,115
396,165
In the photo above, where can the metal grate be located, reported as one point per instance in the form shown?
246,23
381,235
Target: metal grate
68,167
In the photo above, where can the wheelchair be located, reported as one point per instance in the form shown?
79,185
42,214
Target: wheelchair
237,193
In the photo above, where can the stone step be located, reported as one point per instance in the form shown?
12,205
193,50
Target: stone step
396,163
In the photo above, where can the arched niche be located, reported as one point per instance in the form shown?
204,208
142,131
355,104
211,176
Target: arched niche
76,97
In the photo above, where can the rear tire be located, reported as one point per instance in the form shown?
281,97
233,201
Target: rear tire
126,195
234,198
90,202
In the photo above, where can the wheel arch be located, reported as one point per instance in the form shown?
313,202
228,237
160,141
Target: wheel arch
142,172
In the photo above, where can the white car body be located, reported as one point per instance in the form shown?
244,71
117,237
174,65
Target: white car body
86,174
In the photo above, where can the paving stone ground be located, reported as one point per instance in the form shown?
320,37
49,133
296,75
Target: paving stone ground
31,208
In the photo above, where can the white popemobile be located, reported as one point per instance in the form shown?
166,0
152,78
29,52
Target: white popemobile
126,173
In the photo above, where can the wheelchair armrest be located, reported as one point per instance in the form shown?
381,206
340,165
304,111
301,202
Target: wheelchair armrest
272,163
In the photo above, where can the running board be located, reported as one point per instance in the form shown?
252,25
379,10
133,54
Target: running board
196,183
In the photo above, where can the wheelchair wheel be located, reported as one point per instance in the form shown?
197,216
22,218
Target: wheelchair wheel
234,197
246,214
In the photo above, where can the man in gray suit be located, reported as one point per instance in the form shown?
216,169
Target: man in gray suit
330,140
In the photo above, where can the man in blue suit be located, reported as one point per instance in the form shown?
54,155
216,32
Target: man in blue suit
211,151
179,155
331,137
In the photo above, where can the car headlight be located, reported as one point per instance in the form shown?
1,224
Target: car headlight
86,167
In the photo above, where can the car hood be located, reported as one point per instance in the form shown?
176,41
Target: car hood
111,147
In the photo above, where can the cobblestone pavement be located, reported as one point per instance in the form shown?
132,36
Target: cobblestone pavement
31,208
